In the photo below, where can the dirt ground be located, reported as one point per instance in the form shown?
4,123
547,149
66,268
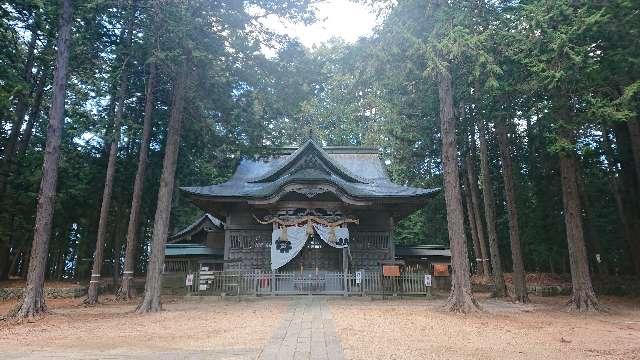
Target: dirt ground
113,329
417,329
368,329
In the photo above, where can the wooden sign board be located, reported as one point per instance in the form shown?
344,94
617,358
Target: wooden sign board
390,270
440,270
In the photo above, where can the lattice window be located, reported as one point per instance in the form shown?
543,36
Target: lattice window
249,239
371,240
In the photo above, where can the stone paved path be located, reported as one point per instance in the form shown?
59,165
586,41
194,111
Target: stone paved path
307,332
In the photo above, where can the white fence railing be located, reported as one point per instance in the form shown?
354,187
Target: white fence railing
205,282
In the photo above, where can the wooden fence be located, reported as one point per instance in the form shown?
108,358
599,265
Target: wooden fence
206,282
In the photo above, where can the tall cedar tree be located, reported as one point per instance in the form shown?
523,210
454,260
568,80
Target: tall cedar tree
490,214
151,300
460,298
473,229
475,204
126,290
583,298
519,281
33,302
92,294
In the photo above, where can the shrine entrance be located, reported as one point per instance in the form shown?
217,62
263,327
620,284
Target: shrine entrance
315,257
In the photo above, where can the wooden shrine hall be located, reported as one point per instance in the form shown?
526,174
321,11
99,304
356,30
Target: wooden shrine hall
309,210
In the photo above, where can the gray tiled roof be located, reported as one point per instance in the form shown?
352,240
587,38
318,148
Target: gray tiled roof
191,250
356,171
206,220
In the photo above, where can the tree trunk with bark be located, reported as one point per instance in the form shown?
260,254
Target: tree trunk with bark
475,206
92,293
153,284
519,281
583,298
33,302
473,228
126,290
490,214
460,298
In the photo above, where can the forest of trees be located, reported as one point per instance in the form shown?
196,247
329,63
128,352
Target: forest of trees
524,112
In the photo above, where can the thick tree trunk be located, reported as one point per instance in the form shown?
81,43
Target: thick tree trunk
92,293
519,282
583,297
33,302
490,214
475,206
126,290
460,298
591,238
473,229
151,300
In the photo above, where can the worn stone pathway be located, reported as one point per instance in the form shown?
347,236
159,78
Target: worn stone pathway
306,332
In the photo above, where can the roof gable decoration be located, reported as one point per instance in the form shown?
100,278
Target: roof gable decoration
206,222
311,160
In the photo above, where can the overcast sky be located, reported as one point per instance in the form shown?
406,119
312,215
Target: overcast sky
336,18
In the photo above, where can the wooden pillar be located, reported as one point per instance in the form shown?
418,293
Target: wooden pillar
345,269
227,240
392,245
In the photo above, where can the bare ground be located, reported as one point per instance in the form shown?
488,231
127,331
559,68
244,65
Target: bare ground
417,329
216,329
368,329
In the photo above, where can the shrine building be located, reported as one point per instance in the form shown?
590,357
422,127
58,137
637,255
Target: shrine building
306,209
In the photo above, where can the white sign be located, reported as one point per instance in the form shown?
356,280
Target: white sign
358,277
189,280
427,280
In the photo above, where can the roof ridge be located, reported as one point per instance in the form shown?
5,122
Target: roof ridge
278,171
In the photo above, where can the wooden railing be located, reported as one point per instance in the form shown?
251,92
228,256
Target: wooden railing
178,266
207,282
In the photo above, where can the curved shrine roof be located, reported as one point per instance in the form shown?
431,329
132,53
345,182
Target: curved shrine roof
358,172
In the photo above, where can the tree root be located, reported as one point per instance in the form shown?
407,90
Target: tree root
148,306
585,301
125,293
27,312
462,303
90,302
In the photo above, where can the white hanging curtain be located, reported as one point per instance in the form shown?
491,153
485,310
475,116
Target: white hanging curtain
286,243
337,237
